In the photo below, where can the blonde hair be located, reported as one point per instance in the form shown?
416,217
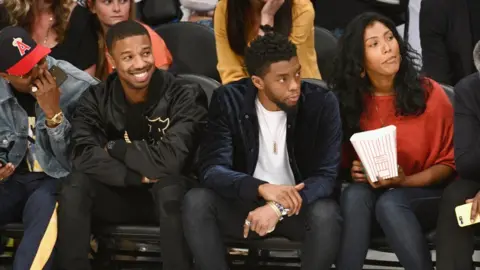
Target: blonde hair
101,70
21,13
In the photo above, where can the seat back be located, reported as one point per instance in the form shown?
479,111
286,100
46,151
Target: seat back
208,84
318,82
192,47
325,47
449,91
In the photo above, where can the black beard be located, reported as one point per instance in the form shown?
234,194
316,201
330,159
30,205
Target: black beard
287,109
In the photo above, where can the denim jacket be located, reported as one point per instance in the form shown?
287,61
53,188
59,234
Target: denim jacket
52,144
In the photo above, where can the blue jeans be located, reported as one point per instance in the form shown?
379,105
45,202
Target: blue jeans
31,198
400,213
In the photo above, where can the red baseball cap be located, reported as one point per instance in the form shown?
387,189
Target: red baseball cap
19,53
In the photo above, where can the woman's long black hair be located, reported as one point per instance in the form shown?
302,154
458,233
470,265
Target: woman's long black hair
350,87
237,20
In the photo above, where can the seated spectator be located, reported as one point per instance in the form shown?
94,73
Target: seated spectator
378,86
252,174
335,16
200,11
34,140
236,23
133,142
455,245
109,13
448,31
59,25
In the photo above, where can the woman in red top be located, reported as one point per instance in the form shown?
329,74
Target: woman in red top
377,85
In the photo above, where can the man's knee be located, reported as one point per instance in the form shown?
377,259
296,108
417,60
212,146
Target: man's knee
197,203
45,195
324,214
75,188
168,193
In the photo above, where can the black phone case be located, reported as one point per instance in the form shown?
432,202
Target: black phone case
59,75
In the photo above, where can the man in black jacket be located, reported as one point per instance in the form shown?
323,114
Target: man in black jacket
455,245
134,138
272,149
448,31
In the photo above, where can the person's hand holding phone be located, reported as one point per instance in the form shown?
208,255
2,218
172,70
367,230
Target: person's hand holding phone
475,201
6,170
47,94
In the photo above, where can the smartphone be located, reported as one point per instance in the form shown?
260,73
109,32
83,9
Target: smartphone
463,215
59,75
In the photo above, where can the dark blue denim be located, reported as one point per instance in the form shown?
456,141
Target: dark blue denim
29,198
403,214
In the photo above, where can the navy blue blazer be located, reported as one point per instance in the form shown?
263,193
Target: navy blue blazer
229,151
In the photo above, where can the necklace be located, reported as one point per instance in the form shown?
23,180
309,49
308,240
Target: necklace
379,117
275,145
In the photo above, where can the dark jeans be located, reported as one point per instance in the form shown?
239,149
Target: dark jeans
208,218
402,213
30,198
455,245
82,198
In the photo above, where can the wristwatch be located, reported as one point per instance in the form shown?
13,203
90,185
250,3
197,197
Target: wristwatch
56,120
283,211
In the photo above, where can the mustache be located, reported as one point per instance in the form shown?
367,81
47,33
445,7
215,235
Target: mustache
140,70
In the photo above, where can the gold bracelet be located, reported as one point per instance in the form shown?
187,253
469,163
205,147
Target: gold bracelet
275,208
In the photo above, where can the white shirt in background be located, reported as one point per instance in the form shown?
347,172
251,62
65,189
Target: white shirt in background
273,167
199,5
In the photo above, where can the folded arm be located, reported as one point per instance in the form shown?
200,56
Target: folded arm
89,140
176,149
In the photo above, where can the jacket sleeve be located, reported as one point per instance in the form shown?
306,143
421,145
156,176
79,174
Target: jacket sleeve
433,31
322,181
467,128
89,139
176,149
54,144
216,157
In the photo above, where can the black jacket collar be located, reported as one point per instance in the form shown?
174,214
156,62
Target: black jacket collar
249,101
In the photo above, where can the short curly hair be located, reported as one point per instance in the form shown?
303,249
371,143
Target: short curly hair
266,50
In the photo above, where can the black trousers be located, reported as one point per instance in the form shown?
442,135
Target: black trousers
455,245
208,218
83,199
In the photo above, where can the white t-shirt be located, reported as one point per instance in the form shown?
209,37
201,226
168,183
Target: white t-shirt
273,165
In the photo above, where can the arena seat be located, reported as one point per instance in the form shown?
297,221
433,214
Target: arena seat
192,47
325,47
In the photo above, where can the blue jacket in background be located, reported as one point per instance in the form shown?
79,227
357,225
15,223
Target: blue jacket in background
229,152
52,144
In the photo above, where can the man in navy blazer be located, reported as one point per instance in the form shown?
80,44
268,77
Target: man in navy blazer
269,161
